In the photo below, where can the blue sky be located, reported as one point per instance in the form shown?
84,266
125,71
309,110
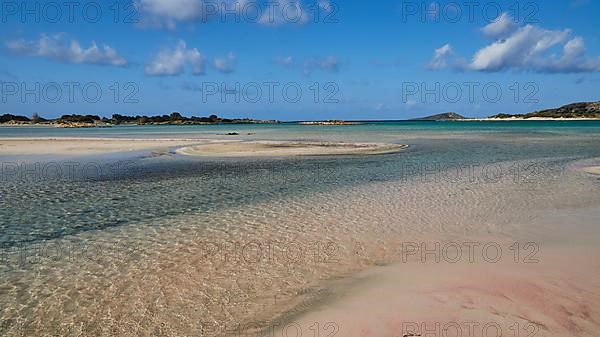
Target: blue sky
297,59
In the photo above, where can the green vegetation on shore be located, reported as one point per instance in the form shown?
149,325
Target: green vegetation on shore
586,110
174,118
575,110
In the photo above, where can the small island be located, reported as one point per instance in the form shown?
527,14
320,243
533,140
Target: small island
448,116
92,121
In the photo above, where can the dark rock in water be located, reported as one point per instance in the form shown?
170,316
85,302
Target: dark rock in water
233,134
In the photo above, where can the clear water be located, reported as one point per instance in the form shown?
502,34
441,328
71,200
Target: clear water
292,130
151,213
131,190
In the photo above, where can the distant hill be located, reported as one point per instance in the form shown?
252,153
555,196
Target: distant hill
448,116
574,110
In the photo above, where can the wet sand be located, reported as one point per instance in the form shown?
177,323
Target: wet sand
288,148
84,146
550,289
592,170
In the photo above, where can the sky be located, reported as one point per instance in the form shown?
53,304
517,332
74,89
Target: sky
297,59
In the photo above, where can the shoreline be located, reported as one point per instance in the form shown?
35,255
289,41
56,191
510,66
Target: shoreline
303,123
524,119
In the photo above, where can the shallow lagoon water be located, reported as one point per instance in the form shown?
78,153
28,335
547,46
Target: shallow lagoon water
171,245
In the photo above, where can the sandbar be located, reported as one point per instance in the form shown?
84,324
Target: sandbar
288,148
592,170
85,146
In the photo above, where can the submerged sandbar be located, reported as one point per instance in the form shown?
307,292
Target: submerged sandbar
592,169
288,148
66,146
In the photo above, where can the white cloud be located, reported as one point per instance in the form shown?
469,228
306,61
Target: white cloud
225,64
502,27
286,61
329,64
284,11
572,60
167,13
528,48
525,50
58,48
440,57
326,5
182,10
173,62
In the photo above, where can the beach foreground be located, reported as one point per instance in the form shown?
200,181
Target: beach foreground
554,292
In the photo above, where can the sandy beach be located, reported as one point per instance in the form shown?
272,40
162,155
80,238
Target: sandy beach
475,297
66,146
517,119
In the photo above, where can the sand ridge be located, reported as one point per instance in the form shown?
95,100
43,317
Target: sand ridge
67,146
288,148
592,170
191,147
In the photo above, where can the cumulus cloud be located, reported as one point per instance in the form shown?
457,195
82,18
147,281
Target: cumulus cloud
167,13
225,64
286,61
326,5
284,11
174,9
329,64
502,27
440,57
173,62
59,48
527,48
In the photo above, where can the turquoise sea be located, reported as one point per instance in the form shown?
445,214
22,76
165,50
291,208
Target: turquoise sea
293,129
175,186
